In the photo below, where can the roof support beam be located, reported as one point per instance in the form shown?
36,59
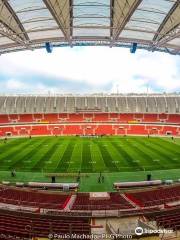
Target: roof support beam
7,32
15,17
60,11
10,25
123,10
71,20
111,18
169,22
172,35
169,28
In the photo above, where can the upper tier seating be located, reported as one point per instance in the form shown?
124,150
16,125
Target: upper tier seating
51,118
125,118
116,201
93,117
25,118
173,118
14,118
4,119
155,197
75,118
101,117
150,118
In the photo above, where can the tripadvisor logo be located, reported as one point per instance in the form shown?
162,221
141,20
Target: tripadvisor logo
139,231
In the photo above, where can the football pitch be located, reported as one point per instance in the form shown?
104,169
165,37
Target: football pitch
119,158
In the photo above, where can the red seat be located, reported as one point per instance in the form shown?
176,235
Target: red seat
116,201
155,197
33,199
41,226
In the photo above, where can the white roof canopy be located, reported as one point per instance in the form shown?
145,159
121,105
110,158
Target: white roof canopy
152,24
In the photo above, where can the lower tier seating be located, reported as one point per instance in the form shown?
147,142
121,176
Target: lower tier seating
88,129
116,201
169,219
167,196
27,225
155,197
33,199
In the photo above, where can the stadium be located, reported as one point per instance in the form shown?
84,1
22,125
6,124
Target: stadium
89,165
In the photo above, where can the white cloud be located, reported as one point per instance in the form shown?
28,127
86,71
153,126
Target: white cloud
97,67
14,84
17,86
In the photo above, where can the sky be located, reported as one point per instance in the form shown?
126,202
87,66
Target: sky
85,70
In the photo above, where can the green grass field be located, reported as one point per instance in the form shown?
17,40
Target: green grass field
119,158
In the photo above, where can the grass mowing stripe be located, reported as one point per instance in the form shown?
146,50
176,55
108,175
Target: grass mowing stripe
97,157
165,159
86,165
133,152
26,155
140,151
28,164
145,158
10,143
13,152
118,156
107,158
166,153
59,155
76,159
51,165
153,155
40,164
176,141
126,156
64,163
168,147
171,144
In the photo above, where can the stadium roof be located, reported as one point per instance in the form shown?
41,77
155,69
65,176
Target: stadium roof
29,24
